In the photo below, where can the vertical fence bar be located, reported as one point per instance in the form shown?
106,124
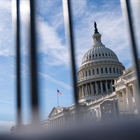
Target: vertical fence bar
72,53
18,78
33,65
134,47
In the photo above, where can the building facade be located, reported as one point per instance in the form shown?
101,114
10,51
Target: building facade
105,89
126,88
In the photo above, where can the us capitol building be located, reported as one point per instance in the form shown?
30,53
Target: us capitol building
106,90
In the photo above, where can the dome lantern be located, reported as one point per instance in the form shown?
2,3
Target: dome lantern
96,37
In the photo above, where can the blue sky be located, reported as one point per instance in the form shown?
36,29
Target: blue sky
53,51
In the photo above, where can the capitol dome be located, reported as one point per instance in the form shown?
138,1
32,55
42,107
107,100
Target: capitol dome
99,67
99,53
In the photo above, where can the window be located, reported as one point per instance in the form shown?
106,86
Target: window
110,70
106,70
117,70
97,71
89,73
101,70
93,71
108,84
114,70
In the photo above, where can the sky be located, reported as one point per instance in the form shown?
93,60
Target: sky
54,66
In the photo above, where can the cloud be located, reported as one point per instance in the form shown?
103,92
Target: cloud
110,24
25,73
64,85
135,14
7,102
6,44
49,43
51,37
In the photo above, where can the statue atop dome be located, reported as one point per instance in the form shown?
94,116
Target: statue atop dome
95,26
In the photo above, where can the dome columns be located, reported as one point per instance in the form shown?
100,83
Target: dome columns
95,88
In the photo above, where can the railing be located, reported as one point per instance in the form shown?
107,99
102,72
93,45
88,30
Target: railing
33,64
33,58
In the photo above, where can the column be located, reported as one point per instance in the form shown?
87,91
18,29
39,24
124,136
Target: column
96,87
92,90
111,88
86,90
101,85
79,92
129,96
119,105
106,86
136,96
89,89
124,101
99,113
112,70
82,91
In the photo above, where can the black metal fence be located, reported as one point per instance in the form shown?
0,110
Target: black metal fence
33,67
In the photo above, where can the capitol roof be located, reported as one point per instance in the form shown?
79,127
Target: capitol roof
98,53
98,50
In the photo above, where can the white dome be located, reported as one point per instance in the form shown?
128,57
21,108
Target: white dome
99,53
100,66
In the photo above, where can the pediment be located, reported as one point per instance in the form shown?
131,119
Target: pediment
55,111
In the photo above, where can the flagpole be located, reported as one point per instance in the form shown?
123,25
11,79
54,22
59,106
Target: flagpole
57,100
